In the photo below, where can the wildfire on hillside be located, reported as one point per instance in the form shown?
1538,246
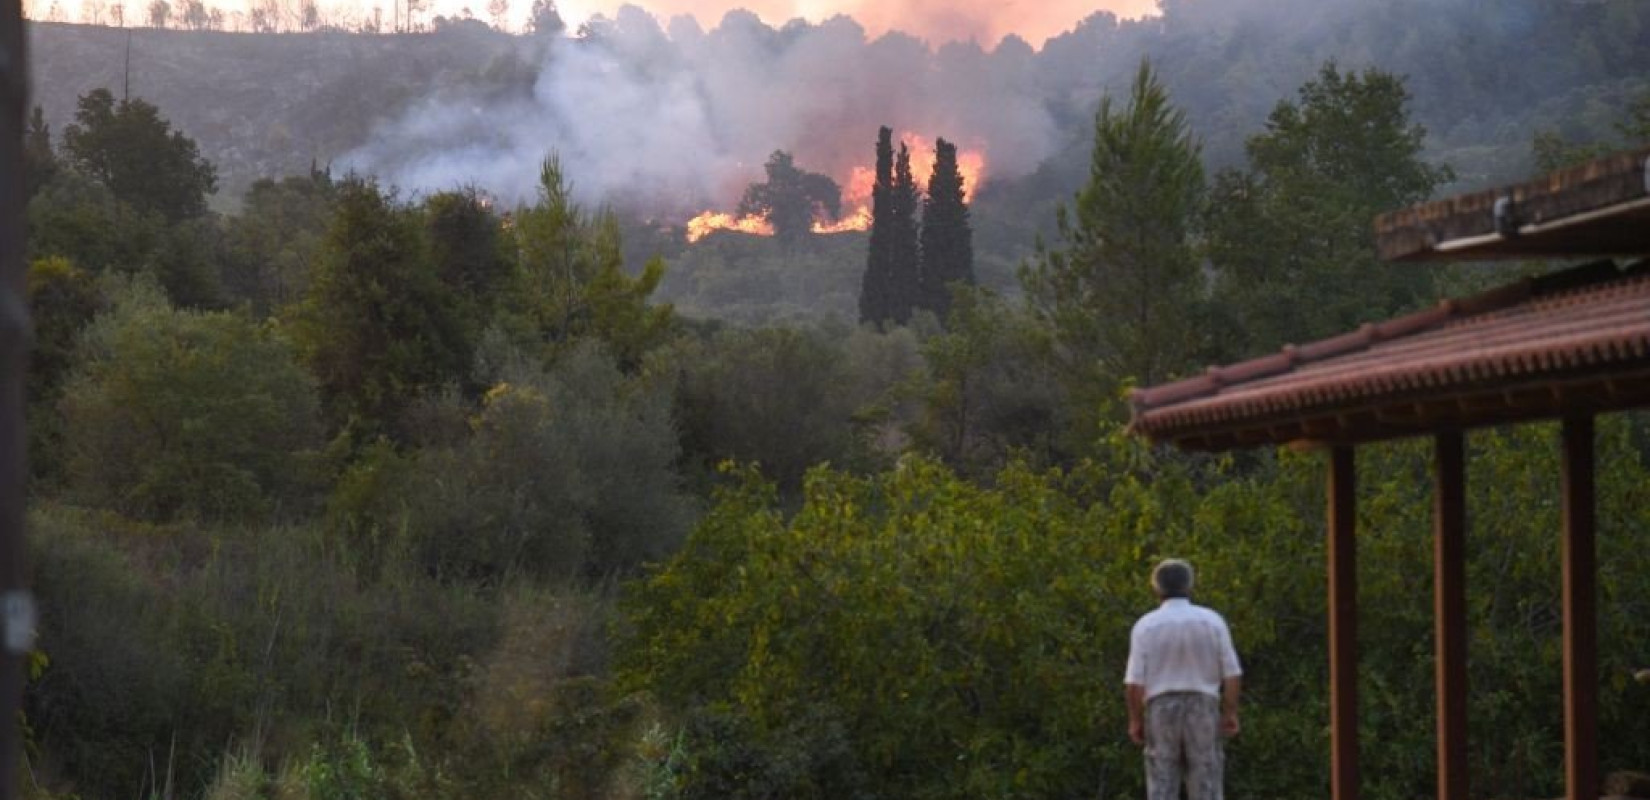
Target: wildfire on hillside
856,195
703,225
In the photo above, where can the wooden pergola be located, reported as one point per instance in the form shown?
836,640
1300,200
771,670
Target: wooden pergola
1566,346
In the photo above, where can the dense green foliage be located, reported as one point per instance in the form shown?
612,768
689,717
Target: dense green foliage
1292,236
173,413
913,634
377,327
561,472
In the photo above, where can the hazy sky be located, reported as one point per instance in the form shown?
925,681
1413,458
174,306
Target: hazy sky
937,21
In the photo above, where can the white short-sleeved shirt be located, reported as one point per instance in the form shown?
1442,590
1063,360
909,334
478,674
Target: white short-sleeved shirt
1181,647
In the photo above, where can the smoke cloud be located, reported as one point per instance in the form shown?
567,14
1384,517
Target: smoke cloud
674,119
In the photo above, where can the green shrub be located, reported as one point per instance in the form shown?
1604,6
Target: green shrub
184,414
566,471
168,643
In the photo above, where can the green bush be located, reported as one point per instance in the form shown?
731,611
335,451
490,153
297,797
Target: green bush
171,414
565,471
780,397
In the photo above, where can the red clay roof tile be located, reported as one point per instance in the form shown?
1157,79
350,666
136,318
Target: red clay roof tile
1588,322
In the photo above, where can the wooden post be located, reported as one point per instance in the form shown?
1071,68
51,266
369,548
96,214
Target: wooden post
1450,613
1580,607
1343,624
16,608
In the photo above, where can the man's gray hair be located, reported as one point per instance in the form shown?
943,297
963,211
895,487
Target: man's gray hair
1172,578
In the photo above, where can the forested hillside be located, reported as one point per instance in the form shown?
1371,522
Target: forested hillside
346,490
267,105
1485,76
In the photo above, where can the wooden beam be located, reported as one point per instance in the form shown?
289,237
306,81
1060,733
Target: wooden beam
1343,624
1450,612
1580,609
16,608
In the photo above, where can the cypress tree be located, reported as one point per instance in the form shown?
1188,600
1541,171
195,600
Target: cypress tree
876,289
892,284
947,239
905,251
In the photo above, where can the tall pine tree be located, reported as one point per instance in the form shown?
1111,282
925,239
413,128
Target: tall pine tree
1118,301
947,239
892,287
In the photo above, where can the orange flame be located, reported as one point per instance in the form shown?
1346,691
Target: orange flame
859,220
703,225
970,162
856,194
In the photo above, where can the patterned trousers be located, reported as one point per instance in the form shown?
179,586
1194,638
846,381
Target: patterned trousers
1183,744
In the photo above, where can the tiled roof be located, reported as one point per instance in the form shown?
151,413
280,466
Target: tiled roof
1576,340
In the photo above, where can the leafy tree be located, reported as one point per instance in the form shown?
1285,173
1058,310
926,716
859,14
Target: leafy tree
467,247
175,413
377,328
465,243
892,285
1117,302
128,147
271,246
772,396
39,160
985,395
1291,239
947,239
159,10
572,279
792,198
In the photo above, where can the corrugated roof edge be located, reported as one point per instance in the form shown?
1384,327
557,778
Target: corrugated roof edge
1290,357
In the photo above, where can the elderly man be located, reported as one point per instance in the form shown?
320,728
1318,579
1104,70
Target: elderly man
1182,686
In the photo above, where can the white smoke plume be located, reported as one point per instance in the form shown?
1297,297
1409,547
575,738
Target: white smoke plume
674,122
